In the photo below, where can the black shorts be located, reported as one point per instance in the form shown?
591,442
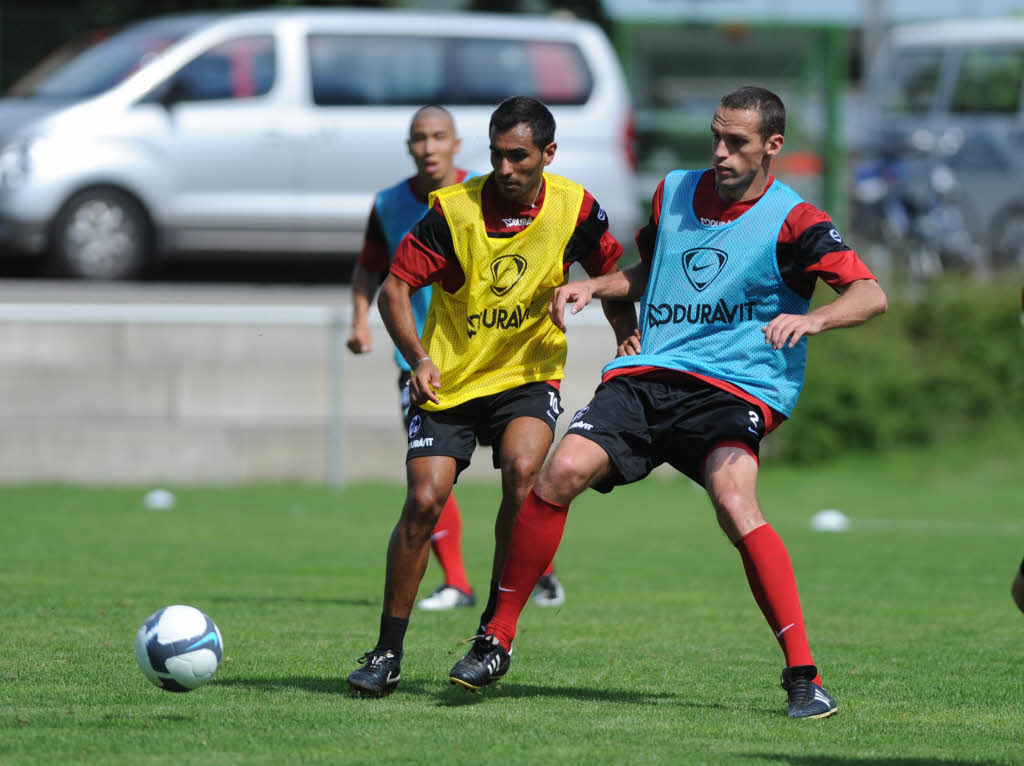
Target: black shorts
643,422
404,395
454,432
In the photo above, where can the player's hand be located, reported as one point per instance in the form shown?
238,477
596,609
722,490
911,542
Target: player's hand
359,342
426,379
577,293
630,346
789,329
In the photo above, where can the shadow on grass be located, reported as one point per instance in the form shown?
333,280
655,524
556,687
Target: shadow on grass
453,696
824,760
305,683
297,600
447,695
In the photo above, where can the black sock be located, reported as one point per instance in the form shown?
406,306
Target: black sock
492,604
392,633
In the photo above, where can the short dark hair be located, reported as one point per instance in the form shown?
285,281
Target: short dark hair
513,111
432,108
764,102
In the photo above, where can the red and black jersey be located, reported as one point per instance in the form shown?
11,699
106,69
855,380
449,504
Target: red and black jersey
809,247
375,255
427,254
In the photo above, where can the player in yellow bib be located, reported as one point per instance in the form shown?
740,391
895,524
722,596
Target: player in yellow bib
488,366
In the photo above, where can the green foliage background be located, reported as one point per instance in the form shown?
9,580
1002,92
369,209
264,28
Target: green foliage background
947,367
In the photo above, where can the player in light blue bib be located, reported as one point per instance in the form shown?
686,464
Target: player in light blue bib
728,263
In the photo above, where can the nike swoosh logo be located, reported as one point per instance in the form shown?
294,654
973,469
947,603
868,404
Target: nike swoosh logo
506,590
208,638
701,268
392,678
779,633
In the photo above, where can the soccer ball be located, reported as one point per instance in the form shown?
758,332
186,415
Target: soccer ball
178,648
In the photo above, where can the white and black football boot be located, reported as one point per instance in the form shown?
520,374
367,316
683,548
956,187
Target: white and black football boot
485,661
379,676
806,698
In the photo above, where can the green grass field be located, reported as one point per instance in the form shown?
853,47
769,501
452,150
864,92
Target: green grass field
659,655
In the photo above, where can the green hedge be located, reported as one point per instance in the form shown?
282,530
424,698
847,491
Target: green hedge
948,366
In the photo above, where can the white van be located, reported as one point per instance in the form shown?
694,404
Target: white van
270,131
954,91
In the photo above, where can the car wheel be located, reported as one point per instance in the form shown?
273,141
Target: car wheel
1007,243
102,234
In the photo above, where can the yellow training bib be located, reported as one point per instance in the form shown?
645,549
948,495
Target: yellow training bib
494,332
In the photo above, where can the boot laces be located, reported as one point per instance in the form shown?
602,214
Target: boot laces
801,692
483,644
375,657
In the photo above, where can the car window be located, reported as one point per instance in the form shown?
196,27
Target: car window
239,68
910,81
103,65
348,70
375,70
990,81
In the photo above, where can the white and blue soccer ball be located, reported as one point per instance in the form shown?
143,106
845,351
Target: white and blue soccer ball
178,648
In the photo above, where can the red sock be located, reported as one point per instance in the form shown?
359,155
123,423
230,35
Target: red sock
770,574
535,538
447,544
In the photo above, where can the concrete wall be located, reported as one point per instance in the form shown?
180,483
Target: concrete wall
175,393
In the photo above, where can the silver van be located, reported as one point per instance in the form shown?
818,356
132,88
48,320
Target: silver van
953,92
270,131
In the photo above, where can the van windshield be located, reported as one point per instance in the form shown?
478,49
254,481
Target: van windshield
83,68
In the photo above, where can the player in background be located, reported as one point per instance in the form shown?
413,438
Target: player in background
1017,589
728,263
488,364
432,144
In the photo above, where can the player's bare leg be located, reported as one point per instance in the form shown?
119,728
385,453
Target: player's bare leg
577,464
430,481
446,543
731,480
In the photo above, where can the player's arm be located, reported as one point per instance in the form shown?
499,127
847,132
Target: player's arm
595,248
810,248
426,255
370,269
396,310
364,287
646,239
621,316
616,286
